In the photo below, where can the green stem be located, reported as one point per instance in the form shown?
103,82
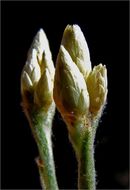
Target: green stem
86,166
41,123
82,135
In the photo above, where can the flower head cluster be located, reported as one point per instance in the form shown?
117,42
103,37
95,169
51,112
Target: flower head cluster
38,73
78,89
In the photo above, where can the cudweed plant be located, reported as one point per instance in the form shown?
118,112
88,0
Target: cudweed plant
79,93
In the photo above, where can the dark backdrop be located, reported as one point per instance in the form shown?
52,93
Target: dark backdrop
105,26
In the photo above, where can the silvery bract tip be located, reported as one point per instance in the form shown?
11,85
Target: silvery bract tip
41,44
44,57
74,42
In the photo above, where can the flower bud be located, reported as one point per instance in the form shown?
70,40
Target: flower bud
74,42
38,74
70,91
43,95
97,88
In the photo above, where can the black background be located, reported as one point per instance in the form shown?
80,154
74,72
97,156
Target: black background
105,26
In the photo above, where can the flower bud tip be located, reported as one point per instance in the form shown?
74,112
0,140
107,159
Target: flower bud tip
74,42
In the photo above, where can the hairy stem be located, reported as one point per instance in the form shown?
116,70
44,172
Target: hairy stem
41,123
86,166
82,135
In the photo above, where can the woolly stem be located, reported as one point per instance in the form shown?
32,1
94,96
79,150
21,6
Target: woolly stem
41,122
82,135
86,166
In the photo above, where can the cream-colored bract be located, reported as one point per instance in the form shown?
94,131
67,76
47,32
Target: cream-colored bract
44,90
32,67
26,82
